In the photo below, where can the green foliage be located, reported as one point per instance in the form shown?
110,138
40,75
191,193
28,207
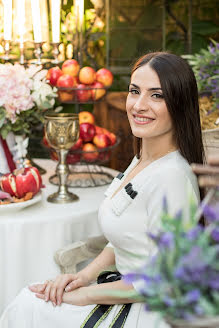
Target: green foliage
23,125
205,65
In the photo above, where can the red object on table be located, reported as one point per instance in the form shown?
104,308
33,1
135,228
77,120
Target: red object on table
22,181
8,155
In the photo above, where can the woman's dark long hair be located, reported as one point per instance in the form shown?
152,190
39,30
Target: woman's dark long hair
180,92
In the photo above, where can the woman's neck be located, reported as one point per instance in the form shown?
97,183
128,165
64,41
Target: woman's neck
151,150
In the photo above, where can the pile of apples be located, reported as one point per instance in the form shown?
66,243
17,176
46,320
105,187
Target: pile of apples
77,84
92,145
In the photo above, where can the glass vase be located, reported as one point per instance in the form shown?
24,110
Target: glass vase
18,145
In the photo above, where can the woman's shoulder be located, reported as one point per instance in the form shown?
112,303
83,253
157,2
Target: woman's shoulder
174,173
173,164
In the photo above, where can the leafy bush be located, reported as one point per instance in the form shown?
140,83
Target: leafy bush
205,65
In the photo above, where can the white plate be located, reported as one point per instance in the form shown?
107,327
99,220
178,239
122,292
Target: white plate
21,205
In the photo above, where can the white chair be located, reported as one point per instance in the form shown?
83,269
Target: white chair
71,257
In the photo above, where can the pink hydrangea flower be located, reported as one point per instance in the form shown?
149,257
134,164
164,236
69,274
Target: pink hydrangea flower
15,90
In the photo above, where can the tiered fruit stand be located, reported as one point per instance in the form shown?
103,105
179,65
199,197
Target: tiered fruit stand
91,152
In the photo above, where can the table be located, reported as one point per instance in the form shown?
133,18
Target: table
30,237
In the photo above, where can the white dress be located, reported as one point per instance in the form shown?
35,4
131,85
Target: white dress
124,222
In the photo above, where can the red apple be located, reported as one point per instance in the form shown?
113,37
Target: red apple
99,130
107,132
73,158
66,81
112,137
66,96
22,181
90,152
87,131
101,141
78,144
53,75
98,91
77,80
104,76
87,75
70,67
86,117
82,93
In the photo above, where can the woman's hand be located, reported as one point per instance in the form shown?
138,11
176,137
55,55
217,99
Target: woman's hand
53,290
75,297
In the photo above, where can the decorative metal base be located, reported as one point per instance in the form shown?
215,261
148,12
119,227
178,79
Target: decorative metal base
55,53
7,47
59,198
85,176
42,61
8,57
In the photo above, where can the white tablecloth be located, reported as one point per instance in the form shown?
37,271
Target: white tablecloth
30,237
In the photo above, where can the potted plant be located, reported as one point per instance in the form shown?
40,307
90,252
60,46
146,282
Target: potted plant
205,65
182,280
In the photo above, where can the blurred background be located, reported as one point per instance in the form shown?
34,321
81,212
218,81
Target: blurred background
113,34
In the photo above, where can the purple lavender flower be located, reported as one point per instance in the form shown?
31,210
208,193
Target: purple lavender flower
198,309
163,240
165,205
147,307
168,301
194,233
205,76
214,81
187,316
166,240
213,280
129,278
192,296
215,234
192,267
211,212
153,236
178,215
212,49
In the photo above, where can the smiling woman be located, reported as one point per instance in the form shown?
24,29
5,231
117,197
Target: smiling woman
147,111
179,90
162,108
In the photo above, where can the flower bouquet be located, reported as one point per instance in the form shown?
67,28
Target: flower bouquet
182,280
24,97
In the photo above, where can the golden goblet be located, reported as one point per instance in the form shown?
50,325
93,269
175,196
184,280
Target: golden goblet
62,132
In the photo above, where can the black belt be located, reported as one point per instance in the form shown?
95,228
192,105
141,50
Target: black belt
100,312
